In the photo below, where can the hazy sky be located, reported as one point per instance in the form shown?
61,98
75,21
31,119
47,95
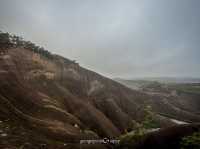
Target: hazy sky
117,38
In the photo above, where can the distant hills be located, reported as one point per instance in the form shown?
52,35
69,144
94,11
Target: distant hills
165,79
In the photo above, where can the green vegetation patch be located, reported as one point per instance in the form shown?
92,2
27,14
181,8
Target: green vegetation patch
191,142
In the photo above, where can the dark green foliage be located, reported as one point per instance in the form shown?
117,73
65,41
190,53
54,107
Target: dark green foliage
29,45
4,41
131,141
133,138
8,41
44,52
191,142
17,41
149,122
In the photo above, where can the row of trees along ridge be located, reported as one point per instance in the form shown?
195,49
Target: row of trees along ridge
8,41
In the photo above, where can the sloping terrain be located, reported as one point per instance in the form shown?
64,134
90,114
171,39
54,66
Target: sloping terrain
56,98
61,99
179,101
168,138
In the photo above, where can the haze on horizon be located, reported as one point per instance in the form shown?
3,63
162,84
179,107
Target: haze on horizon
117,38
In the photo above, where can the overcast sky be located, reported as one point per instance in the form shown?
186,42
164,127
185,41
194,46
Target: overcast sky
117,38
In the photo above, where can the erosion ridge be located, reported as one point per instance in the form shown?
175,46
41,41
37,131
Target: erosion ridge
57,96
64,99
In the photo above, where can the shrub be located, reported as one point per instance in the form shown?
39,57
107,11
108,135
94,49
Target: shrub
191,142
149,121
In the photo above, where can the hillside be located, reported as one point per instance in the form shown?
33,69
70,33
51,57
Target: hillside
56,98
63,100
176,100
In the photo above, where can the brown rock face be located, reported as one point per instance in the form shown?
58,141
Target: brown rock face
62,100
